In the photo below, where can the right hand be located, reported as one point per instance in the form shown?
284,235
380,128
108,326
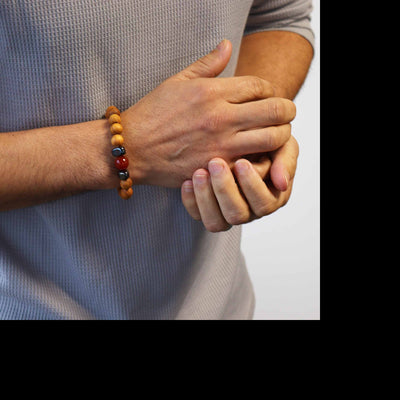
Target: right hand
193,117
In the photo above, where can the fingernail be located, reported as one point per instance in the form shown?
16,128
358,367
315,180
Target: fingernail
242,166
221,45
215,167
286,177
200,178
188,186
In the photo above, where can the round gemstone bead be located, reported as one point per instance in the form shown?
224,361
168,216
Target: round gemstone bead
118,151
121,162
123,175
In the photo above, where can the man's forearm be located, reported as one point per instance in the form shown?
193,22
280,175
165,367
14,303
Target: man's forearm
49,163
45,164
280,57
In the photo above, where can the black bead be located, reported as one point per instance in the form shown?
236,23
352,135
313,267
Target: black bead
118,151
123,175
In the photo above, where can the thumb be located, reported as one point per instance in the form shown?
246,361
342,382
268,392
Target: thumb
210,65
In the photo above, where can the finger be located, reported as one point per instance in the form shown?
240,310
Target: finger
207,203
262,165
189,200
260,140
240,89
284,164
261,200
261,113
233,207
210,65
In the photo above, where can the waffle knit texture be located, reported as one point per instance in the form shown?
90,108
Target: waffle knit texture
94,256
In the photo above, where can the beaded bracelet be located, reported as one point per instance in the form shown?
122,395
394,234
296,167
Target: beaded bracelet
121,161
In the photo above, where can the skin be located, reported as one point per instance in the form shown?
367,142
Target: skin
200,117
188,120
222,195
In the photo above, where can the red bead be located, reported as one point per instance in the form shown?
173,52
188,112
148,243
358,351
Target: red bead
121,162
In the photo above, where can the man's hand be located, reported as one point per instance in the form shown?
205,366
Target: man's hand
194,117
283,58
262,187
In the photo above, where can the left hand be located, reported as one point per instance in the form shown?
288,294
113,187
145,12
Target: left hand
262,187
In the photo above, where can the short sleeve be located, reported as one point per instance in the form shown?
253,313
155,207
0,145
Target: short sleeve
284,15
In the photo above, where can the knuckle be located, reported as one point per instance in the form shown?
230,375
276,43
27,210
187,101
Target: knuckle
293,110
285,200
290,110
296,146
286,131
213,121
209,91
201,92
237,217
262,210
203,63
215,226
277,110
272,139
257,86
281,110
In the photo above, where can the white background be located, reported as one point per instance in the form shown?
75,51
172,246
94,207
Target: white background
282,250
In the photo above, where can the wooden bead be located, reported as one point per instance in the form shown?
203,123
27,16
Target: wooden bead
116,129
112,110
125,194
117,140
126,184
114,119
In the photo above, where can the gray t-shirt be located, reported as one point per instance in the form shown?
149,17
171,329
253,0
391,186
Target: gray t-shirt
92,255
